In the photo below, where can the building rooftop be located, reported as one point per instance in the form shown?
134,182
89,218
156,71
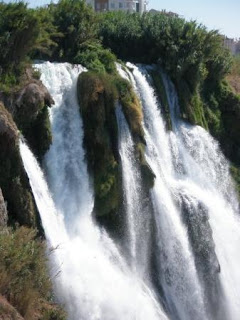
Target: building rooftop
123,5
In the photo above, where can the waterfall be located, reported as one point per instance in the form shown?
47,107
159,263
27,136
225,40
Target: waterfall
93,281
205,178
177,272
196,212
193,205
138,219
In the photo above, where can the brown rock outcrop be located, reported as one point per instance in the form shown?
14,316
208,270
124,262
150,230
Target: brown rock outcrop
31,99
13,179
8,128
7,311
3,211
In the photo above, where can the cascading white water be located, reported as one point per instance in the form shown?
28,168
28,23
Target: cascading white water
177,272
94,282
206,177
130,176
192,175
195,207
137,215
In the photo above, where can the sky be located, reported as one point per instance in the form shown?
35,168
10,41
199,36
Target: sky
223,15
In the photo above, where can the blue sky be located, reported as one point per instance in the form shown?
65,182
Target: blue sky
223,15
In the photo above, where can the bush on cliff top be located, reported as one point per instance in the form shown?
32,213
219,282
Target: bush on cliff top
22,31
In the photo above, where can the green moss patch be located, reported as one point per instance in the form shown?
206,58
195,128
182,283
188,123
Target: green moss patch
98,95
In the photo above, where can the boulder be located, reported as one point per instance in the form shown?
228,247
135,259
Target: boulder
8,128
31,99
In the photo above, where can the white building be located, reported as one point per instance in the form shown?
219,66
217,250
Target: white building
124,5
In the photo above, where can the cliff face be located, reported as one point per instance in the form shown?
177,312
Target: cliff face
13,180
28,107
24,110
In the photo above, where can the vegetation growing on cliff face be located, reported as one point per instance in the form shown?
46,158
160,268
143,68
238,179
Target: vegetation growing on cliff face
24,279
234,77
99,94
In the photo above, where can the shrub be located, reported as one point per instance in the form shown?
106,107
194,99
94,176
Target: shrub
95,58
24,278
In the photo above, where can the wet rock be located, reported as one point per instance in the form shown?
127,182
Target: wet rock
8,128
3,211
31,99
13,180
196,217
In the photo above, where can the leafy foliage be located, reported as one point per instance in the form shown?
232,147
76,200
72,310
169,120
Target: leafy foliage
94,57
22,31
77,23
185,50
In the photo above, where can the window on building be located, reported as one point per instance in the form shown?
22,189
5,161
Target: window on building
120,5
112,5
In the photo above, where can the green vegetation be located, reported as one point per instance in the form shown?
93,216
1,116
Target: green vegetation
77,23
22,31
97,96
234,77
185,50
235,70
23,269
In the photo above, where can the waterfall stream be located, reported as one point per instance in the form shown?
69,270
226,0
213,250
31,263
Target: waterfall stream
194,271
177,271
138,219
94,282
196,210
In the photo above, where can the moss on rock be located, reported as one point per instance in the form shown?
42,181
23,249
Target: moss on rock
131,107
97,95
191,105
